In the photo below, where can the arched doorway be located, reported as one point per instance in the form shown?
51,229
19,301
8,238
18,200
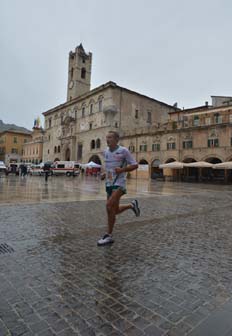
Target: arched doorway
156,172
143,169
215,175
67,155
96,159
190,174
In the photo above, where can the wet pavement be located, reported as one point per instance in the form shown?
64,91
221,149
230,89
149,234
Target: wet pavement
168,273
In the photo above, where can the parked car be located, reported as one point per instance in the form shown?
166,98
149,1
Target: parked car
3,169
36,170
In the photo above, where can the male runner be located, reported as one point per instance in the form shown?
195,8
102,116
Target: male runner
118,161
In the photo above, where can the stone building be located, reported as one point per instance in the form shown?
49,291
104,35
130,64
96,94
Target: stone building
11,145
198,134
33,149
76,130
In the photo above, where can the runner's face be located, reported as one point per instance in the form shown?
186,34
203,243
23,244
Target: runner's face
111,140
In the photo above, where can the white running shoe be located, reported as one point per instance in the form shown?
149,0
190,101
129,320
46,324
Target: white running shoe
105,240
135,208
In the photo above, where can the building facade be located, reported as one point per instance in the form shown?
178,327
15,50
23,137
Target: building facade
76,130
154,132
33,149
199,134
11,145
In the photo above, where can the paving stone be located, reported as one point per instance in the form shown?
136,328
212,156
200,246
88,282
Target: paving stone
168,271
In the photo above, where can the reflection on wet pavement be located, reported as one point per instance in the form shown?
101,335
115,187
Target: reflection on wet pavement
168,272
15,189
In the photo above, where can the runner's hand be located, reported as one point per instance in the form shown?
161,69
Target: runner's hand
103,176
119,170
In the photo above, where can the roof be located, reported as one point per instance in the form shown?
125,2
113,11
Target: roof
16,131
100,88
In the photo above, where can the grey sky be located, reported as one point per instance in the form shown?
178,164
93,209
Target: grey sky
171,50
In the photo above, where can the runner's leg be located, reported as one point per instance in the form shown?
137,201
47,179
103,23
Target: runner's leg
112,207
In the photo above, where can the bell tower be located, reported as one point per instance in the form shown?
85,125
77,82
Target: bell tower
79,72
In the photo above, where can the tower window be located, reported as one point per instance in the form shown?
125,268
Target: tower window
83,60
71,73
136,114
83,73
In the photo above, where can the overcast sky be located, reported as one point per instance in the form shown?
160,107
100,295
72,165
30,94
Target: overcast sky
171,50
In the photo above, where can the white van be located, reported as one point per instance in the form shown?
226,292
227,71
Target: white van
69,168
3,169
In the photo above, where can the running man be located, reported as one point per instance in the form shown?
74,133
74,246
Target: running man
118,161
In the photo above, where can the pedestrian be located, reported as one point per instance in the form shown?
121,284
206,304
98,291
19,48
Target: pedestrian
46,169
118,161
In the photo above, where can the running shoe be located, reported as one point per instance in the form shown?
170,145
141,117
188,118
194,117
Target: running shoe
135,208
105,240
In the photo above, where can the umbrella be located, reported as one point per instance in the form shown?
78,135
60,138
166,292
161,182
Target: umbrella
91,164
172,165
223,165
199,164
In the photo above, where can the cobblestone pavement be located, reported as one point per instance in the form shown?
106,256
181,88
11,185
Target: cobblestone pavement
168,273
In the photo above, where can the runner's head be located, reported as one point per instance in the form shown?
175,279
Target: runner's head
112,139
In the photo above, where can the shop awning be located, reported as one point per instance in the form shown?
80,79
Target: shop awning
172,165
199,164
223,165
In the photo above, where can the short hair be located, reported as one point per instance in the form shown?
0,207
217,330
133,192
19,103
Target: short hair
116,134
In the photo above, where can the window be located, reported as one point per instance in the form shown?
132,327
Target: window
14,150
79,151
15,140
58,150
98,143
100,105
213,143
83,111
48,151
208,121
91,109
92,144
149,117
83,73
2,150
90,126
187,144
71,73
143,148
61,165
50,123
217,118
171,145
156,147
55,149
136,114
196,121
2,140
132,148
